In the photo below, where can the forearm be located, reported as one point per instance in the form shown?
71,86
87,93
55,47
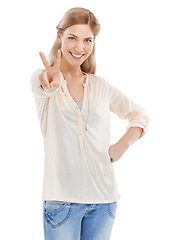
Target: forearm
130,137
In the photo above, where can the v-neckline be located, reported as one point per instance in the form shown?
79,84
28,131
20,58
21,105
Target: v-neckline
84,95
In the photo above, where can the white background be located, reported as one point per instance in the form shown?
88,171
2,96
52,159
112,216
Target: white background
134,51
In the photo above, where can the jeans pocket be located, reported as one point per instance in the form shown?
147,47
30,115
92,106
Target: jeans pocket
112,208
56,213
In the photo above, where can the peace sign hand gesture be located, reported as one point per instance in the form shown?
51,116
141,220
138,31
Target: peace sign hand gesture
50,76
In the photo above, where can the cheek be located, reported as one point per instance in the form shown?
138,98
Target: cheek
66,45
89,49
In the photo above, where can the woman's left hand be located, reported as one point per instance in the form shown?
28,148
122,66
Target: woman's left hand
116,151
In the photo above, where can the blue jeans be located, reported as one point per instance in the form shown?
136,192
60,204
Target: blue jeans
77,221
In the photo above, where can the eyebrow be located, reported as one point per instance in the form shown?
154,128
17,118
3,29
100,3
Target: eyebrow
76,36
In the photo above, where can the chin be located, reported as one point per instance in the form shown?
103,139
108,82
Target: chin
76,63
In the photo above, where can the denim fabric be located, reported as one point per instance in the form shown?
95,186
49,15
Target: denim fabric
77,221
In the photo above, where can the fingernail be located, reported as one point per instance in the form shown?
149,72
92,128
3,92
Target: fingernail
48,86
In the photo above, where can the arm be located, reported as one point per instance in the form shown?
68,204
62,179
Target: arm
138,120
118,149
41,97
45,83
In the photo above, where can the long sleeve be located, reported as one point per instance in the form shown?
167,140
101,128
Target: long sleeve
125,108
41,97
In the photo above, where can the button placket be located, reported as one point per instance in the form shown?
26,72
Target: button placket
74,104
80,125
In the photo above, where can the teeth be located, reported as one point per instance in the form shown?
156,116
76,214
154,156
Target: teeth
78,56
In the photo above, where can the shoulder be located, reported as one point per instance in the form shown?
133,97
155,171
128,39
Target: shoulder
101,82
95,79
104,85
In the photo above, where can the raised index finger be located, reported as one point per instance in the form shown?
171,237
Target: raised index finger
44,60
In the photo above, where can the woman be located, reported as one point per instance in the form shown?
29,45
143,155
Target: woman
73,104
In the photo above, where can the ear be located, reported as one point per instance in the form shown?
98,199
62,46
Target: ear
59,36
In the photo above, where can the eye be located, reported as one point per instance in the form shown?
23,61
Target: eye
71,38
88,40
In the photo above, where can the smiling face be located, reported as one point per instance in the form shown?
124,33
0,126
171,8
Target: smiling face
77,44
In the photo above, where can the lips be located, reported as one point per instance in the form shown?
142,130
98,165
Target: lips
77,56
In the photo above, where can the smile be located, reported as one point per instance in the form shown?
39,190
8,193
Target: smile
76,55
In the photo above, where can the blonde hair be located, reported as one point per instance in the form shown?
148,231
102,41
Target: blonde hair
77,16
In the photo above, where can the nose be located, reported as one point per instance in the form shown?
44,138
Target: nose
79,47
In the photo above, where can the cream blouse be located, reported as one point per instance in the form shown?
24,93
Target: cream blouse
77,166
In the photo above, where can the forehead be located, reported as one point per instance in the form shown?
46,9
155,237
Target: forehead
83,30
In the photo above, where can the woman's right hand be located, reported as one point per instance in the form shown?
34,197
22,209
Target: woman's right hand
50,76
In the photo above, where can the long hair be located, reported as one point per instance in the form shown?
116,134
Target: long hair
72,17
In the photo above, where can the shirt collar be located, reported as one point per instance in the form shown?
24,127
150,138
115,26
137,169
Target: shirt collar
65,81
